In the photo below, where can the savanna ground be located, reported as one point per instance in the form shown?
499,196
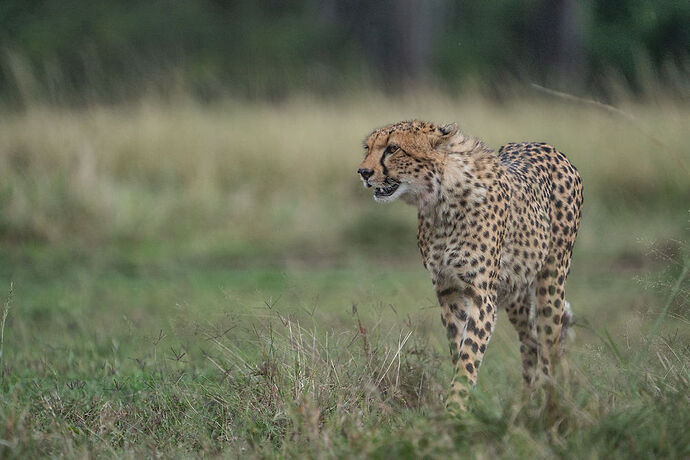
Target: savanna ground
213,280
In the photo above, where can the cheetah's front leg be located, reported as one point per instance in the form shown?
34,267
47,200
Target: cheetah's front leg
469,317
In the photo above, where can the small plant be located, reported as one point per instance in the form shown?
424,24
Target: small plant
5,313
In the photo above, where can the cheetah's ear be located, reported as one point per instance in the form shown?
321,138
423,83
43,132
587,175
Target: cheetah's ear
449,130
443,134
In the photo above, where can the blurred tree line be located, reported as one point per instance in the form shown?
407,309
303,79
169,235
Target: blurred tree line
260,48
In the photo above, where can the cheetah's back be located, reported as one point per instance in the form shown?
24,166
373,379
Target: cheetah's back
546,201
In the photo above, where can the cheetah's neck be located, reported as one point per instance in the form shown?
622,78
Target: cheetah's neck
467,171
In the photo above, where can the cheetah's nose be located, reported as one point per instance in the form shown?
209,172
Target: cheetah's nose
365,173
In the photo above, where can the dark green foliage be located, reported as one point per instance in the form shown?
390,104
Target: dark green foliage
109,49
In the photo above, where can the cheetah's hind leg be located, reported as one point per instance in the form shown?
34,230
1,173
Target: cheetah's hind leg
551,311
521,316
566,331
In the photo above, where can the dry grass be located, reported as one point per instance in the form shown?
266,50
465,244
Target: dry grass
151,169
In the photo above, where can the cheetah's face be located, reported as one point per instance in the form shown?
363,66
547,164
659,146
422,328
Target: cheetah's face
401,160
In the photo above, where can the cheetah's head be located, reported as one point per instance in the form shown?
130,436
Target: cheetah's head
402,159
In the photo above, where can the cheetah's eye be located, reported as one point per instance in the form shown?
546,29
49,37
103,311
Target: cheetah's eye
391,149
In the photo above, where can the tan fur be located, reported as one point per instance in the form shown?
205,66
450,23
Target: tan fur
494,230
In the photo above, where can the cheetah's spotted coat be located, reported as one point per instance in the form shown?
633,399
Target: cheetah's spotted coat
495,231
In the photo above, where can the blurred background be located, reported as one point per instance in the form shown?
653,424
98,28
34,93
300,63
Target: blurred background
131,121
226,134
73,50
172,169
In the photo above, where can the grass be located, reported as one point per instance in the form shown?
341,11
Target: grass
157,171
213,281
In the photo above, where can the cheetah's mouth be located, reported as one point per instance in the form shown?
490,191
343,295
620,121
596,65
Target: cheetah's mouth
389,188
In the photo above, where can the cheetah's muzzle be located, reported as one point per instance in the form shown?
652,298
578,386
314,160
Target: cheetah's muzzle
389,188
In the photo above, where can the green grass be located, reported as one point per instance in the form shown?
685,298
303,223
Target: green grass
117,357
213,281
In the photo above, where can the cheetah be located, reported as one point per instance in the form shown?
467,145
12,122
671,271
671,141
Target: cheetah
495,231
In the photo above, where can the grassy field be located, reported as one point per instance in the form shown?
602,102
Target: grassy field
185,279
